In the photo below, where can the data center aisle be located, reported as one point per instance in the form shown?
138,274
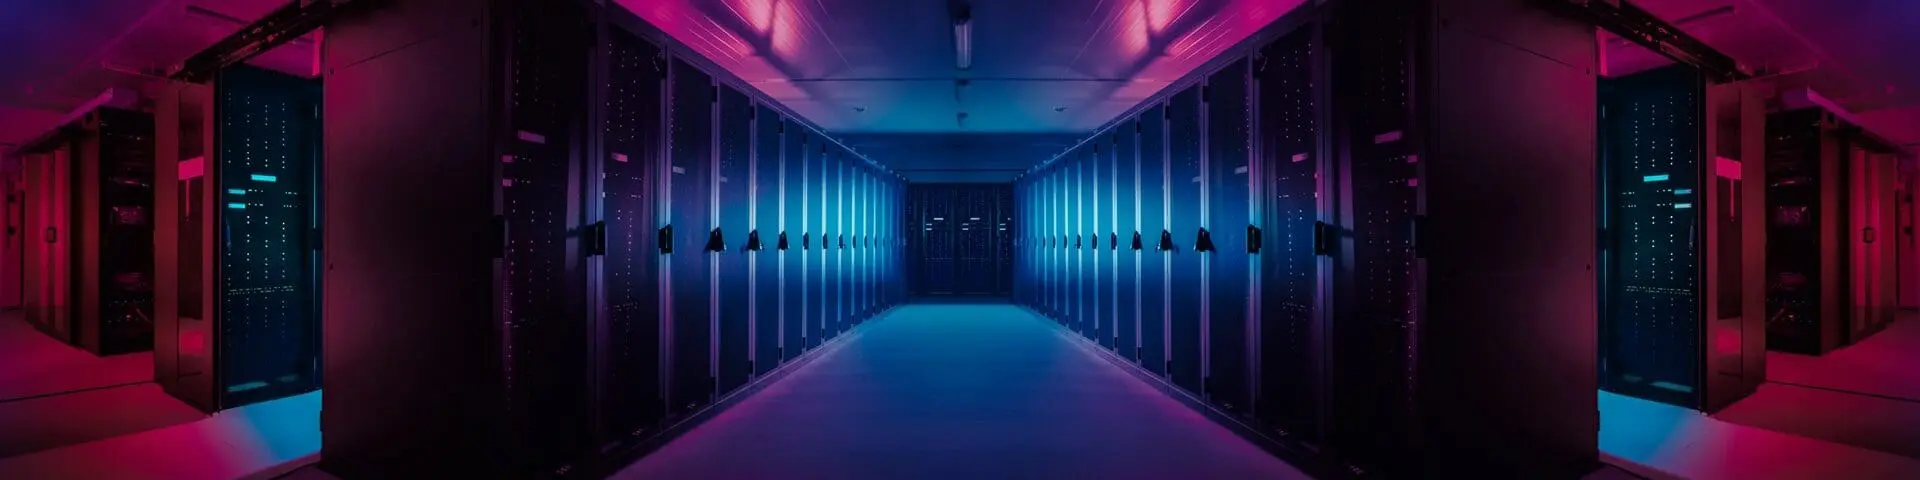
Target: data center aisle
959,391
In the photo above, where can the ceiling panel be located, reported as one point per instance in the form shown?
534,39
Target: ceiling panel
888,66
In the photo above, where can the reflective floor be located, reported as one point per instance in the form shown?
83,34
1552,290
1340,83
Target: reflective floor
960,391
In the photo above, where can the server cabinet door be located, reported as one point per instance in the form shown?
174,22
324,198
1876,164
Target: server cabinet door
1290,171
795,296
1653,167
1185,218
862,251
842,269
1077,223
631,397
1123,180
732,208
1101,272
1372,358
829,287
541,193
1154,264
763,258
1057,307
809,217
268,173
689,217
1229,184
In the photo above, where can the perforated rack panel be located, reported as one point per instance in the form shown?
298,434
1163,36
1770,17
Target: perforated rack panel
1187,171
125,238
631,398
269,148
1795,225
545,368
1229,177
1651,134
1373,336
691,150
731,303
1289,398
1152,197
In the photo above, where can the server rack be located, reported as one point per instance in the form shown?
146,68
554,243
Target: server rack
829,294
792,247
689,222
47,278
1186,217
1124,177
767,219
632,379
1153,238
732,205
1680,317
1828,249
1293,167
1433,121
1100,278
1224,241
448,355
237,247
90,281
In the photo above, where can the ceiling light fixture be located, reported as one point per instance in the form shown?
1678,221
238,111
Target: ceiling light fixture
962,36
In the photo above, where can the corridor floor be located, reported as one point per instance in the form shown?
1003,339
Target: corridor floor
959,391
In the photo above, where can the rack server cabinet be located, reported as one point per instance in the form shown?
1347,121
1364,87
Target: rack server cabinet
1125,215
694,236
456,340
1291,158
1100,270
1156,263
733,202
829,294
236,310
794,245
843,273
1224,243
1823,236
1871,173
1186,217
13,240
763,240
48,281
1680,319
632,399
1443,107
1074,235
112,228
857,248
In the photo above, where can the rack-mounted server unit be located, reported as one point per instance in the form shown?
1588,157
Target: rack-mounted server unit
960,238
1681,164
237,245
90,280
1830,231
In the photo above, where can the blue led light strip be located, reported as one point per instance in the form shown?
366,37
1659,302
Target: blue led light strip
1654,178
264,178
